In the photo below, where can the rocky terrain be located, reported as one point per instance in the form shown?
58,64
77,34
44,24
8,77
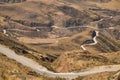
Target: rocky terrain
52,31
12,1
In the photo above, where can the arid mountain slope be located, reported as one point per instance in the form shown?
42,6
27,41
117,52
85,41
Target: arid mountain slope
51,32
37,19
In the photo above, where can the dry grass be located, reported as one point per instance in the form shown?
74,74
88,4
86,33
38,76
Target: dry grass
69,55
100,76
11,70
114,5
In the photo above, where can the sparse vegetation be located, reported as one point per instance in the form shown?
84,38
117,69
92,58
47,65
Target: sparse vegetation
54,26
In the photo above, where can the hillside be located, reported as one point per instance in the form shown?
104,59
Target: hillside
55,33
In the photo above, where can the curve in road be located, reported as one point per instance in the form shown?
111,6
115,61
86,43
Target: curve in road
43,71
94,39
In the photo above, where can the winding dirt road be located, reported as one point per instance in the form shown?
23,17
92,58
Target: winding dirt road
43,71
94,39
